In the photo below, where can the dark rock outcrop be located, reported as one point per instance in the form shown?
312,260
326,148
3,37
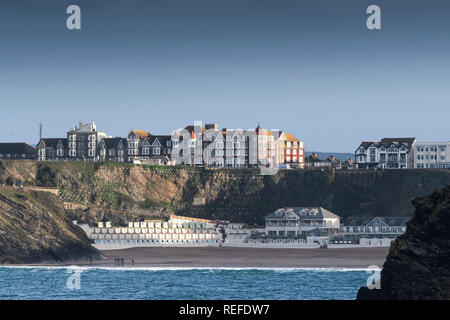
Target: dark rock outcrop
35,229
418,264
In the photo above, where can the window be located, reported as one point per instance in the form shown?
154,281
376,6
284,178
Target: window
156,151
145,150
23,155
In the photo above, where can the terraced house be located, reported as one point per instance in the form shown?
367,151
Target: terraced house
113,149
142,146
194,145
51,149
136,148
226,148
291,152
390,153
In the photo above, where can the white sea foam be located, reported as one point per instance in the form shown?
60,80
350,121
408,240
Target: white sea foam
276,269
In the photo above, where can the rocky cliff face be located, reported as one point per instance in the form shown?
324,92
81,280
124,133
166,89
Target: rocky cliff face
418,264
120,192
34,228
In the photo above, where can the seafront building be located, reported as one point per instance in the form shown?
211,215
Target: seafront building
389,153
367,230
313,227
290,227
430,155
176,231
301,221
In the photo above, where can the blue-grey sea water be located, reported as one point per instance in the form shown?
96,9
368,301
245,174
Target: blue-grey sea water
172,283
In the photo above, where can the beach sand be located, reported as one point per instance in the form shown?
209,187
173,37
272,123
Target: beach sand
243,257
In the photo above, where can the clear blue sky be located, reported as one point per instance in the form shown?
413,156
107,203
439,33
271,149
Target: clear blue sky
311,68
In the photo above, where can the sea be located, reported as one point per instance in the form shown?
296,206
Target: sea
98,283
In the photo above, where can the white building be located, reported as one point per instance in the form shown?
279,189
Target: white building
363,229
178,231
301,221
432,155
388,153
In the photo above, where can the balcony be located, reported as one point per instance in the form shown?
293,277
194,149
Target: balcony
282,225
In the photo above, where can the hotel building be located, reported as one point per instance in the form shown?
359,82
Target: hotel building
432,155
301,222
82,142
390,153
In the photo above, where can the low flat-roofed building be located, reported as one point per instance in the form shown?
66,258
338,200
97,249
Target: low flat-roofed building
374,227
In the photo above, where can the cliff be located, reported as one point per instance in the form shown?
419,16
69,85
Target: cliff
120,192
418,263
34,228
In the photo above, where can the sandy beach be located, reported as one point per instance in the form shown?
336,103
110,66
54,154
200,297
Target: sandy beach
243,257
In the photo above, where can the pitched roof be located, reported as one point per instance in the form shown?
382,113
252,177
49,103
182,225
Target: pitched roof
398,141
363,221
333,159
290,137
15,148
113,142
140,133
386,142
301,213
313,158
53,142
161,138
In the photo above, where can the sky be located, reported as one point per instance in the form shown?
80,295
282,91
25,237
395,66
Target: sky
308,67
